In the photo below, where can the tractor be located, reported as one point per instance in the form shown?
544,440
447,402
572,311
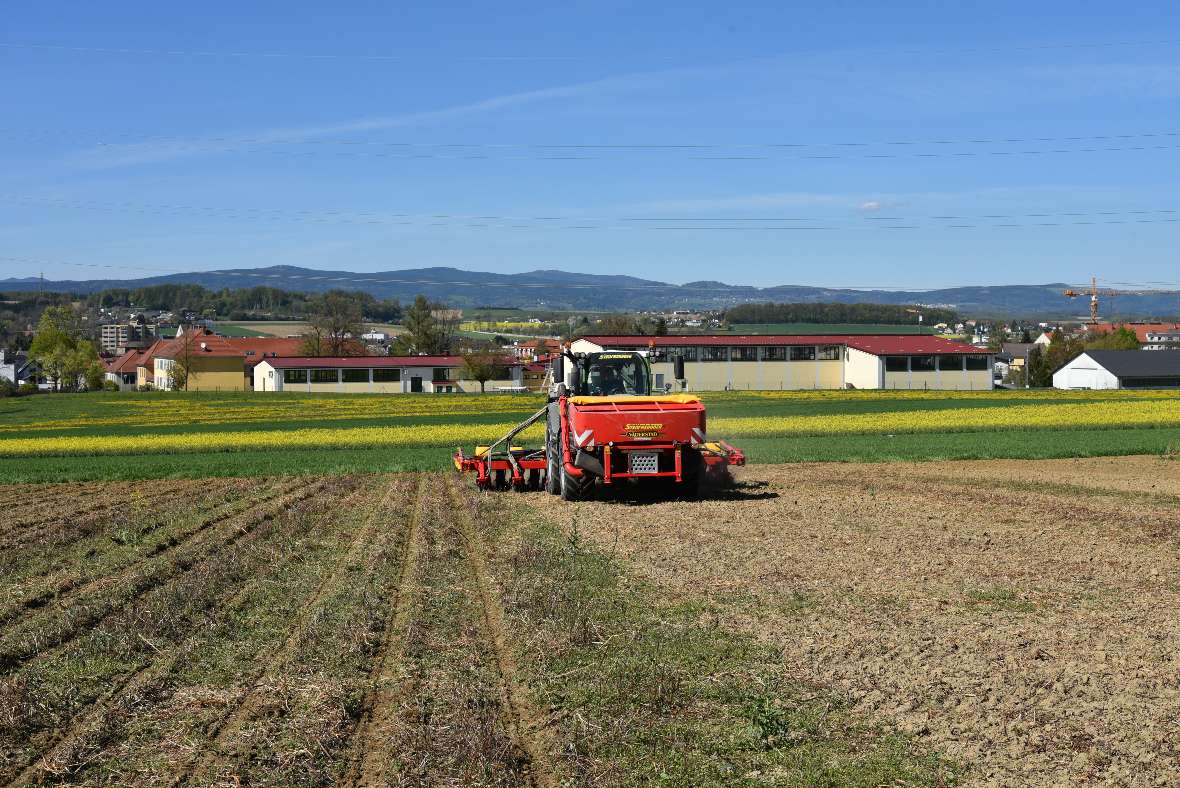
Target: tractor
604,426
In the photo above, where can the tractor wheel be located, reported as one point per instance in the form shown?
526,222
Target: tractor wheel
575,488
692,475
553,472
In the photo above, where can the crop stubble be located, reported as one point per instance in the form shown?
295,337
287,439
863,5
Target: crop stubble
1020,617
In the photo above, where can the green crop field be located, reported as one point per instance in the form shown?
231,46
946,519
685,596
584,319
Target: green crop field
827,328
148,435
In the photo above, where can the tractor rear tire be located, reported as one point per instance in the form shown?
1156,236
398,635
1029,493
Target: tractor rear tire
553,472
575,488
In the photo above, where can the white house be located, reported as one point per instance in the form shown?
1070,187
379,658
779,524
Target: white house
1120,369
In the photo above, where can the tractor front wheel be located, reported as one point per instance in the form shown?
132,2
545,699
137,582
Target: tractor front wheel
575,488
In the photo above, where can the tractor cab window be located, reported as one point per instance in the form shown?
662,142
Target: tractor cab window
607,374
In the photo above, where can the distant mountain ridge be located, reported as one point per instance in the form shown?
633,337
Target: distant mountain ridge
555,289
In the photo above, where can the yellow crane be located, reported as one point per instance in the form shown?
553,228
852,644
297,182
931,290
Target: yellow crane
1095,291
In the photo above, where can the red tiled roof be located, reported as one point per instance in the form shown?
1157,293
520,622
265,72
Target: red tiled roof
210,345
1141,329
345,362
877,344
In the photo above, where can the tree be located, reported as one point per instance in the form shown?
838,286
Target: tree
618,324
997,337
425,333
1122,338
335,322
59,349
182,363
1025,337
661,329
483,366
1044,361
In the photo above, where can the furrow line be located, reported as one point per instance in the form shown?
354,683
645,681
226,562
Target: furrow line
78,585
14,656
379,707
23,540
522,721
131,685
276,660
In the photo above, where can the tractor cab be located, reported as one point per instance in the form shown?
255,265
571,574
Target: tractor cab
613,373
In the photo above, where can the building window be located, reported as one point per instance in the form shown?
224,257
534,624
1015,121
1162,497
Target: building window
803,353
922,363
325,376
387,375
976,363
687,353
829,353
355,375
714,353
441,374
744,353
294,375
950,363
897,363
776,353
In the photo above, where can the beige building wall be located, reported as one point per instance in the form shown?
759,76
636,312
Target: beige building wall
862,370
966,380
209,373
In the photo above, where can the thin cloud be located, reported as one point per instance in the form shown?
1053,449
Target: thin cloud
122,155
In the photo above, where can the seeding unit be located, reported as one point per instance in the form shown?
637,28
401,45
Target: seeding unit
604,425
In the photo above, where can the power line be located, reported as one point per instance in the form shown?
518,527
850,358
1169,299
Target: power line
101,138
518,57
582,222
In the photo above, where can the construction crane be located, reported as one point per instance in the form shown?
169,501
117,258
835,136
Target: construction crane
1095,291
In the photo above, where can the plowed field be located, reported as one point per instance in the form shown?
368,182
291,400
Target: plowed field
1022,618
1006,623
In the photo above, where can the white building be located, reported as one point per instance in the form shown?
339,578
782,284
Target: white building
1120,369
378,375
716,362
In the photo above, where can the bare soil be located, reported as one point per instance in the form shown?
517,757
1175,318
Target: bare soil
1020,617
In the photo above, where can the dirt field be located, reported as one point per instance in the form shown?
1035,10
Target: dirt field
1023,618
836,625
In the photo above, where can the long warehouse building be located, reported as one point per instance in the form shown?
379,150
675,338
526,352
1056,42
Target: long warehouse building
718,362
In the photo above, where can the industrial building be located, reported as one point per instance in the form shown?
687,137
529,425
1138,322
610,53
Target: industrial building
378,375
717,362
1120,369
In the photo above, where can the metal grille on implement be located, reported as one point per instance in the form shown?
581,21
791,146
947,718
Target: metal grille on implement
644,462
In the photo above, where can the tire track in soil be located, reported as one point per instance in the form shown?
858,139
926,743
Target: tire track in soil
212,753
380,706
106,504
128,686
520,718
22,531
92,526
70,588
12,660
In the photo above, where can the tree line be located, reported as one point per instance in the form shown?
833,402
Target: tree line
246,303
888,314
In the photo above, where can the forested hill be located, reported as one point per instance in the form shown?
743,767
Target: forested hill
552,289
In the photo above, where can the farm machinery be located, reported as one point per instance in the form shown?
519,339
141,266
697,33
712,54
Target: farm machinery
604,425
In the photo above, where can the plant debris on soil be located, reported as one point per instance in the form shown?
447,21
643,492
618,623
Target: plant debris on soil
1022,618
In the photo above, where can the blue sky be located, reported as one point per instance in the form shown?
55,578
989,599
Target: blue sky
839,144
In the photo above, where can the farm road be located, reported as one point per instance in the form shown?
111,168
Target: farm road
1023,618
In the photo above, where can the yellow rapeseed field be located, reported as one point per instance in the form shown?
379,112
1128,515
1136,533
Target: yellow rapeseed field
169,424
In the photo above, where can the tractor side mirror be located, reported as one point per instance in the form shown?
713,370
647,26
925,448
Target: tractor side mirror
678,367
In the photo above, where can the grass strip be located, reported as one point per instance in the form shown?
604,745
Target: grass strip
643,692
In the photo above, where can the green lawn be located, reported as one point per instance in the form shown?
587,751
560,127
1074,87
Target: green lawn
827,328
209,434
